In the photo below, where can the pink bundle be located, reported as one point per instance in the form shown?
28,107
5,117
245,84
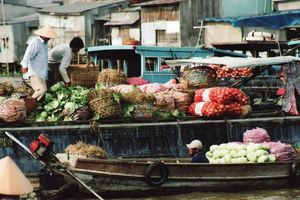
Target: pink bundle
153,88
282,151
257,135
13,110
136,81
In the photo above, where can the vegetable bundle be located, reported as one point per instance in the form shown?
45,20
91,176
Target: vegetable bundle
239,153
61,103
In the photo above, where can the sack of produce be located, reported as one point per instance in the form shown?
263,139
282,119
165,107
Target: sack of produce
123,88
256,135
136,81
105,103
207,109
282,151
86,150
221,95
143,111
153,88
137,96
111,77
13,110
164,101
6,89
182,100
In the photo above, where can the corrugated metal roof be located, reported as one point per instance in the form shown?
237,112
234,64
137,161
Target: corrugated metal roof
26,18
78,7
157,3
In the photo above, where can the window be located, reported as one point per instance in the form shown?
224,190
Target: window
166,39
150,64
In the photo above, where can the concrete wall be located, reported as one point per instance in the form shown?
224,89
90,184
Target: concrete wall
66,27
7,46
221,32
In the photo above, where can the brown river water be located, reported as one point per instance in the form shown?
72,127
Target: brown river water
274,194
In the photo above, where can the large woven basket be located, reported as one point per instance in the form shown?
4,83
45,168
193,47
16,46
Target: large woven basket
83,74
200,77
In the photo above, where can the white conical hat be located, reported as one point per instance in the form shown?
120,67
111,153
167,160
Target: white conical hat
13,181
46,31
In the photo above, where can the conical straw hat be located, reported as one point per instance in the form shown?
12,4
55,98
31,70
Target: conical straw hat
46,31
13,181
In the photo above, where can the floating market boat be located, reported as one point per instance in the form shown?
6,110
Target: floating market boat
117,177
148,138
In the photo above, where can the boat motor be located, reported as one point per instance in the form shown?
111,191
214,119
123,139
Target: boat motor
42,148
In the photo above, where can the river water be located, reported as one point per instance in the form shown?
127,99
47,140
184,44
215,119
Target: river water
274,194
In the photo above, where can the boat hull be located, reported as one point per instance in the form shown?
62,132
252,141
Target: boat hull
129,177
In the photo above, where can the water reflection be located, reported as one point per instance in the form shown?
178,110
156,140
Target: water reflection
275,194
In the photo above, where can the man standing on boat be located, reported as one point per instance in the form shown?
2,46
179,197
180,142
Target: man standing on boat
60,58
35,61
194,149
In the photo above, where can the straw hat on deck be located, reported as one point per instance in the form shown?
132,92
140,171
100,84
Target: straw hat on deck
46,32
13,181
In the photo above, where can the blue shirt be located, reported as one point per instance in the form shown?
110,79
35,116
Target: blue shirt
36,59
199,158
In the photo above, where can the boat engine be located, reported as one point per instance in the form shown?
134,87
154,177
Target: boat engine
42,148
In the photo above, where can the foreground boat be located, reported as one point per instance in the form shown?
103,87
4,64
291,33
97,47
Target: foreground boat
136,177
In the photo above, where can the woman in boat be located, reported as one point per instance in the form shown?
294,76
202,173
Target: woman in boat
194,149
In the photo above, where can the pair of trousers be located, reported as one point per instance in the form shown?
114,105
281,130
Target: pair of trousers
39,86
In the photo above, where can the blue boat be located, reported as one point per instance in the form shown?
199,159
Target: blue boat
148,62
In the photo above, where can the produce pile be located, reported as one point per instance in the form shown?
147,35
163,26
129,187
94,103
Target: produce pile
12,110
105,103
7,89
226,72
111,77
256,147
220,101
239,153
86,150
63,104
111,98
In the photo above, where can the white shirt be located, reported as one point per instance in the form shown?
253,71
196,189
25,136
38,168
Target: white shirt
61,54
36,59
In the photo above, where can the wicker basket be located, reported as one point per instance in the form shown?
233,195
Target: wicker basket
83,74
200,77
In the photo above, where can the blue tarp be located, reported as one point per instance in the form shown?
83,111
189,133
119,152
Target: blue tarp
275,20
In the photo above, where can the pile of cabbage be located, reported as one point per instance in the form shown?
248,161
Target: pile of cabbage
239,153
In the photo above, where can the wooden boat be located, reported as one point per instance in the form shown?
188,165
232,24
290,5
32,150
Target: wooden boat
165,175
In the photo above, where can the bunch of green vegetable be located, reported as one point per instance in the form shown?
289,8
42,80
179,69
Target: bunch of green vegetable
61,102
239,153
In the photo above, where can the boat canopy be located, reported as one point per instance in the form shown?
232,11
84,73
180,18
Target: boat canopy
283,19
234,62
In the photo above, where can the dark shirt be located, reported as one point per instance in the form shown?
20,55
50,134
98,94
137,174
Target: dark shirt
199,158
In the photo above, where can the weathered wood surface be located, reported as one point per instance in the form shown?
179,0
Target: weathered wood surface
129,175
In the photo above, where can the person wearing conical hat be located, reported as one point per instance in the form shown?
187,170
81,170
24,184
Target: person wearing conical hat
35,61
13,181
